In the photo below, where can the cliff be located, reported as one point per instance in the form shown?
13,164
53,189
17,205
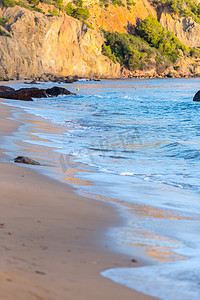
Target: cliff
38,43
41,44
185,28
118,18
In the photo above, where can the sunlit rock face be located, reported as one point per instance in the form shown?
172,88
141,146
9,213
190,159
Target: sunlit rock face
118,18
185,28
59,45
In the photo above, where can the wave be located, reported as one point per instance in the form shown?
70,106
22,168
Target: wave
170,281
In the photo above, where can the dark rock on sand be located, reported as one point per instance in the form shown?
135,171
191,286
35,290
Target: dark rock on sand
197,96
26,160
26,94
16,95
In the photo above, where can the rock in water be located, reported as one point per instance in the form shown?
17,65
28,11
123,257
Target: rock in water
26,160
197,96
15,95
32,92
4,88
55,91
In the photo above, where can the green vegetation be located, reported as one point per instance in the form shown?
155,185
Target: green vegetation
79,13
78,3
130,3
2,32
114,2
165,41
8,3
3,21
188,8
118,3
54,12
131,51
26,5
106,50
152,45
104,3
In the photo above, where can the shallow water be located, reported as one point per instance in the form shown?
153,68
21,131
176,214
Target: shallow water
139,139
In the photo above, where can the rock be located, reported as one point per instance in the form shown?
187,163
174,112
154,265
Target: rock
197,97
32,92
185,28
41,45
15,95
26,160
26,94
4,88
55,91
33,82
71,79
3,73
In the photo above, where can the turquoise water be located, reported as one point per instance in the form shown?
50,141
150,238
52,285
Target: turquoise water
142,140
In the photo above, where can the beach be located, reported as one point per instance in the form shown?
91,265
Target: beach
53,243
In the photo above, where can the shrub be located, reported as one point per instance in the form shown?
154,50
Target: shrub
107,51
23,4
130,51
167,43
2,32
59,3
8,3
118,3
89,25
79,13
54,12
104,3
3,21
69,9
182,7
47,1
78,3
34,2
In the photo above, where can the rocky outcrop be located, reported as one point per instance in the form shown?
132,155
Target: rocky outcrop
118,18
26,94
56,45
185,28
197,97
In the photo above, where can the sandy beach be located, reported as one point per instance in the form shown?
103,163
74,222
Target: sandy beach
53,243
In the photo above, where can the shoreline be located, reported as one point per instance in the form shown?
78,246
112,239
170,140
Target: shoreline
74,78
39,263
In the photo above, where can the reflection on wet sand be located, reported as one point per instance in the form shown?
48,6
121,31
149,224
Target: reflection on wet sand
156,246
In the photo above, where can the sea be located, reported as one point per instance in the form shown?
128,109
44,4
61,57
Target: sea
136,144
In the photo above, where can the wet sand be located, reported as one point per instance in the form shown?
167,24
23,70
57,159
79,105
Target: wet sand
52,241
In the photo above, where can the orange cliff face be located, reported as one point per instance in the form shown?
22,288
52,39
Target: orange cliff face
61,46
117,18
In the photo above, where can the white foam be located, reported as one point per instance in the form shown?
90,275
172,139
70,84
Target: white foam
127,174
170,281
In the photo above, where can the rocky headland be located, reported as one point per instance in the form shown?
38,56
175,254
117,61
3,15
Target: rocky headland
44,42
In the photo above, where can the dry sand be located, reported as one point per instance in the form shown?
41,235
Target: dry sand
52,242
